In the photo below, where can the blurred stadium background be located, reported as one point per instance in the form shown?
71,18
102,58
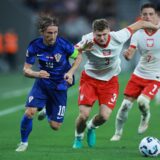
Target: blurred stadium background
75,20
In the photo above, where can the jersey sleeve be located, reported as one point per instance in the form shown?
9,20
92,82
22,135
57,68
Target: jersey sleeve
122,35
30,55
134,40
85,38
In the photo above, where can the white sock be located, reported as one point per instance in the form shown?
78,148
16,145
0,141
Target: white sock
90,125
122,115
80,135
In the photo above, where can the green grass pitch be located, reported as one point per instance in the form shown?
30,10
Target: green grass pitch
46,144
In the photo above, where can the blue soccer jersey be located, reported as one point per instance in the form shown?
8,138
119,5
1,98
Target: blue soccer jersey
52,92
53,59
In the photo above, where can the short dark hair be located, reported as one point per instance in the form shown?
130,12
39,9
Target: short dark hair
45,21
100,25
148,5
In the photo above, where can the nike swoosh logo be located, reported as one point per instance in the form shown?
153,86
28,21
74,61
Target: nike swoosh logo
39,55
59,117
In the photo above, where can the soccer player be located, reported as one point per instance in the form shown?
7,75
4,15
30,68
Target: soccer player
99,80
145,80
53,79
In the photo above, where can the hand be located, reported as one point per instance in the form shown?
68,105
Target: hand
87,46
69,78
43,74
158,26
127,55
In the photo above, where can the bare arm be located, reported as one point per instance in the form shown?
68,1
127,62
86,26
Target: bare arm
28,72
128,54
69,75
143,24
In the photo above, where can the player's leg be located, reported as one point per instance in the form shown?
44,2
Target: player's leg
95,122
33,104
86,99
56,108
42,114
132,90
81,120
148,93
107,93
144,107
121,118
26,128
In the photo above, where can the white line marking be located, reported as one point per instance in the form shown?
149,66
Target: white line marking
16,93
4,112
11,110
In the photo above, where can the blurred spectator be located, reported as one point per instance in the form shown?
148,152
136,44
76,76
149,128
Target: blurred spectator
11,48
75,26
1,44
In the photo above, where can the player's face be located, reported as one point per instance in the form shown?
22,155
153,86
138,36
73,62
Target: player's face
101,36
149,14
50,35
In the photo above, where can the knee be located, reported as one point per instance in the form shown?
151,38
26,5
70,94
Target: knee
55,125
103,117
143,102
30,112
124,109
84,116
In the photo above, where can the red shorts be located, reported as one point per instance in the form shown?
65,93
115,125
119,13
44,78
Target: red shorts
90,90
138,85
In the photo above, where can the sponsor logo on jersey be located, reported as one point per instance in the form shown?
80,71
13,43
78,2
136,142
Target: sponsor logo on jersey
57,57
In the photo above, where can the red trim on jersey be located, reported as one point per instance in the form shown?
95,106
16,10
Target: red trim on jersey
130,30
133,46
105,45
150,34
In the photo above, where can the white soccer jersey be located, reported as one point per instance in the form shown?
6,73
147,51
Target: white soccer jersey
149,48
104,62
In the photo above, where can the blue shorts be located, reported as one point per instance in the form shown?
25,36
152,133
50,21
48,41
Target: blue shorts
54,100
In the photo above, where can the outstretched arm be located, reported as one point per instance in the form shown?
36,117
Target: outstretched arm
69,75
143,24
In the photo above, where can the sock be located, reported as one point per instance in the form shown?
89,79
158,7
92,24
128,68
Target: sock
26,128
122,115
79,135
90,125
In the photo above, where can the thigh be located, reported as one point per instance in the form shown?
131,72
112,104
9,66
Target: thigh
151,89
87,90
134,87
56,106
37,96
108,92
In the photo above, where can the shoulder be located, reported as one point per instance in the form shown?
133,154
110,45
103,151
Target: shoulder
62,41
36,41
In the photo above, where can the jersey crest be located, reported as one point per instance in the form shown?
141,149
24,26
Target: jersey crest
57,57
150,42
